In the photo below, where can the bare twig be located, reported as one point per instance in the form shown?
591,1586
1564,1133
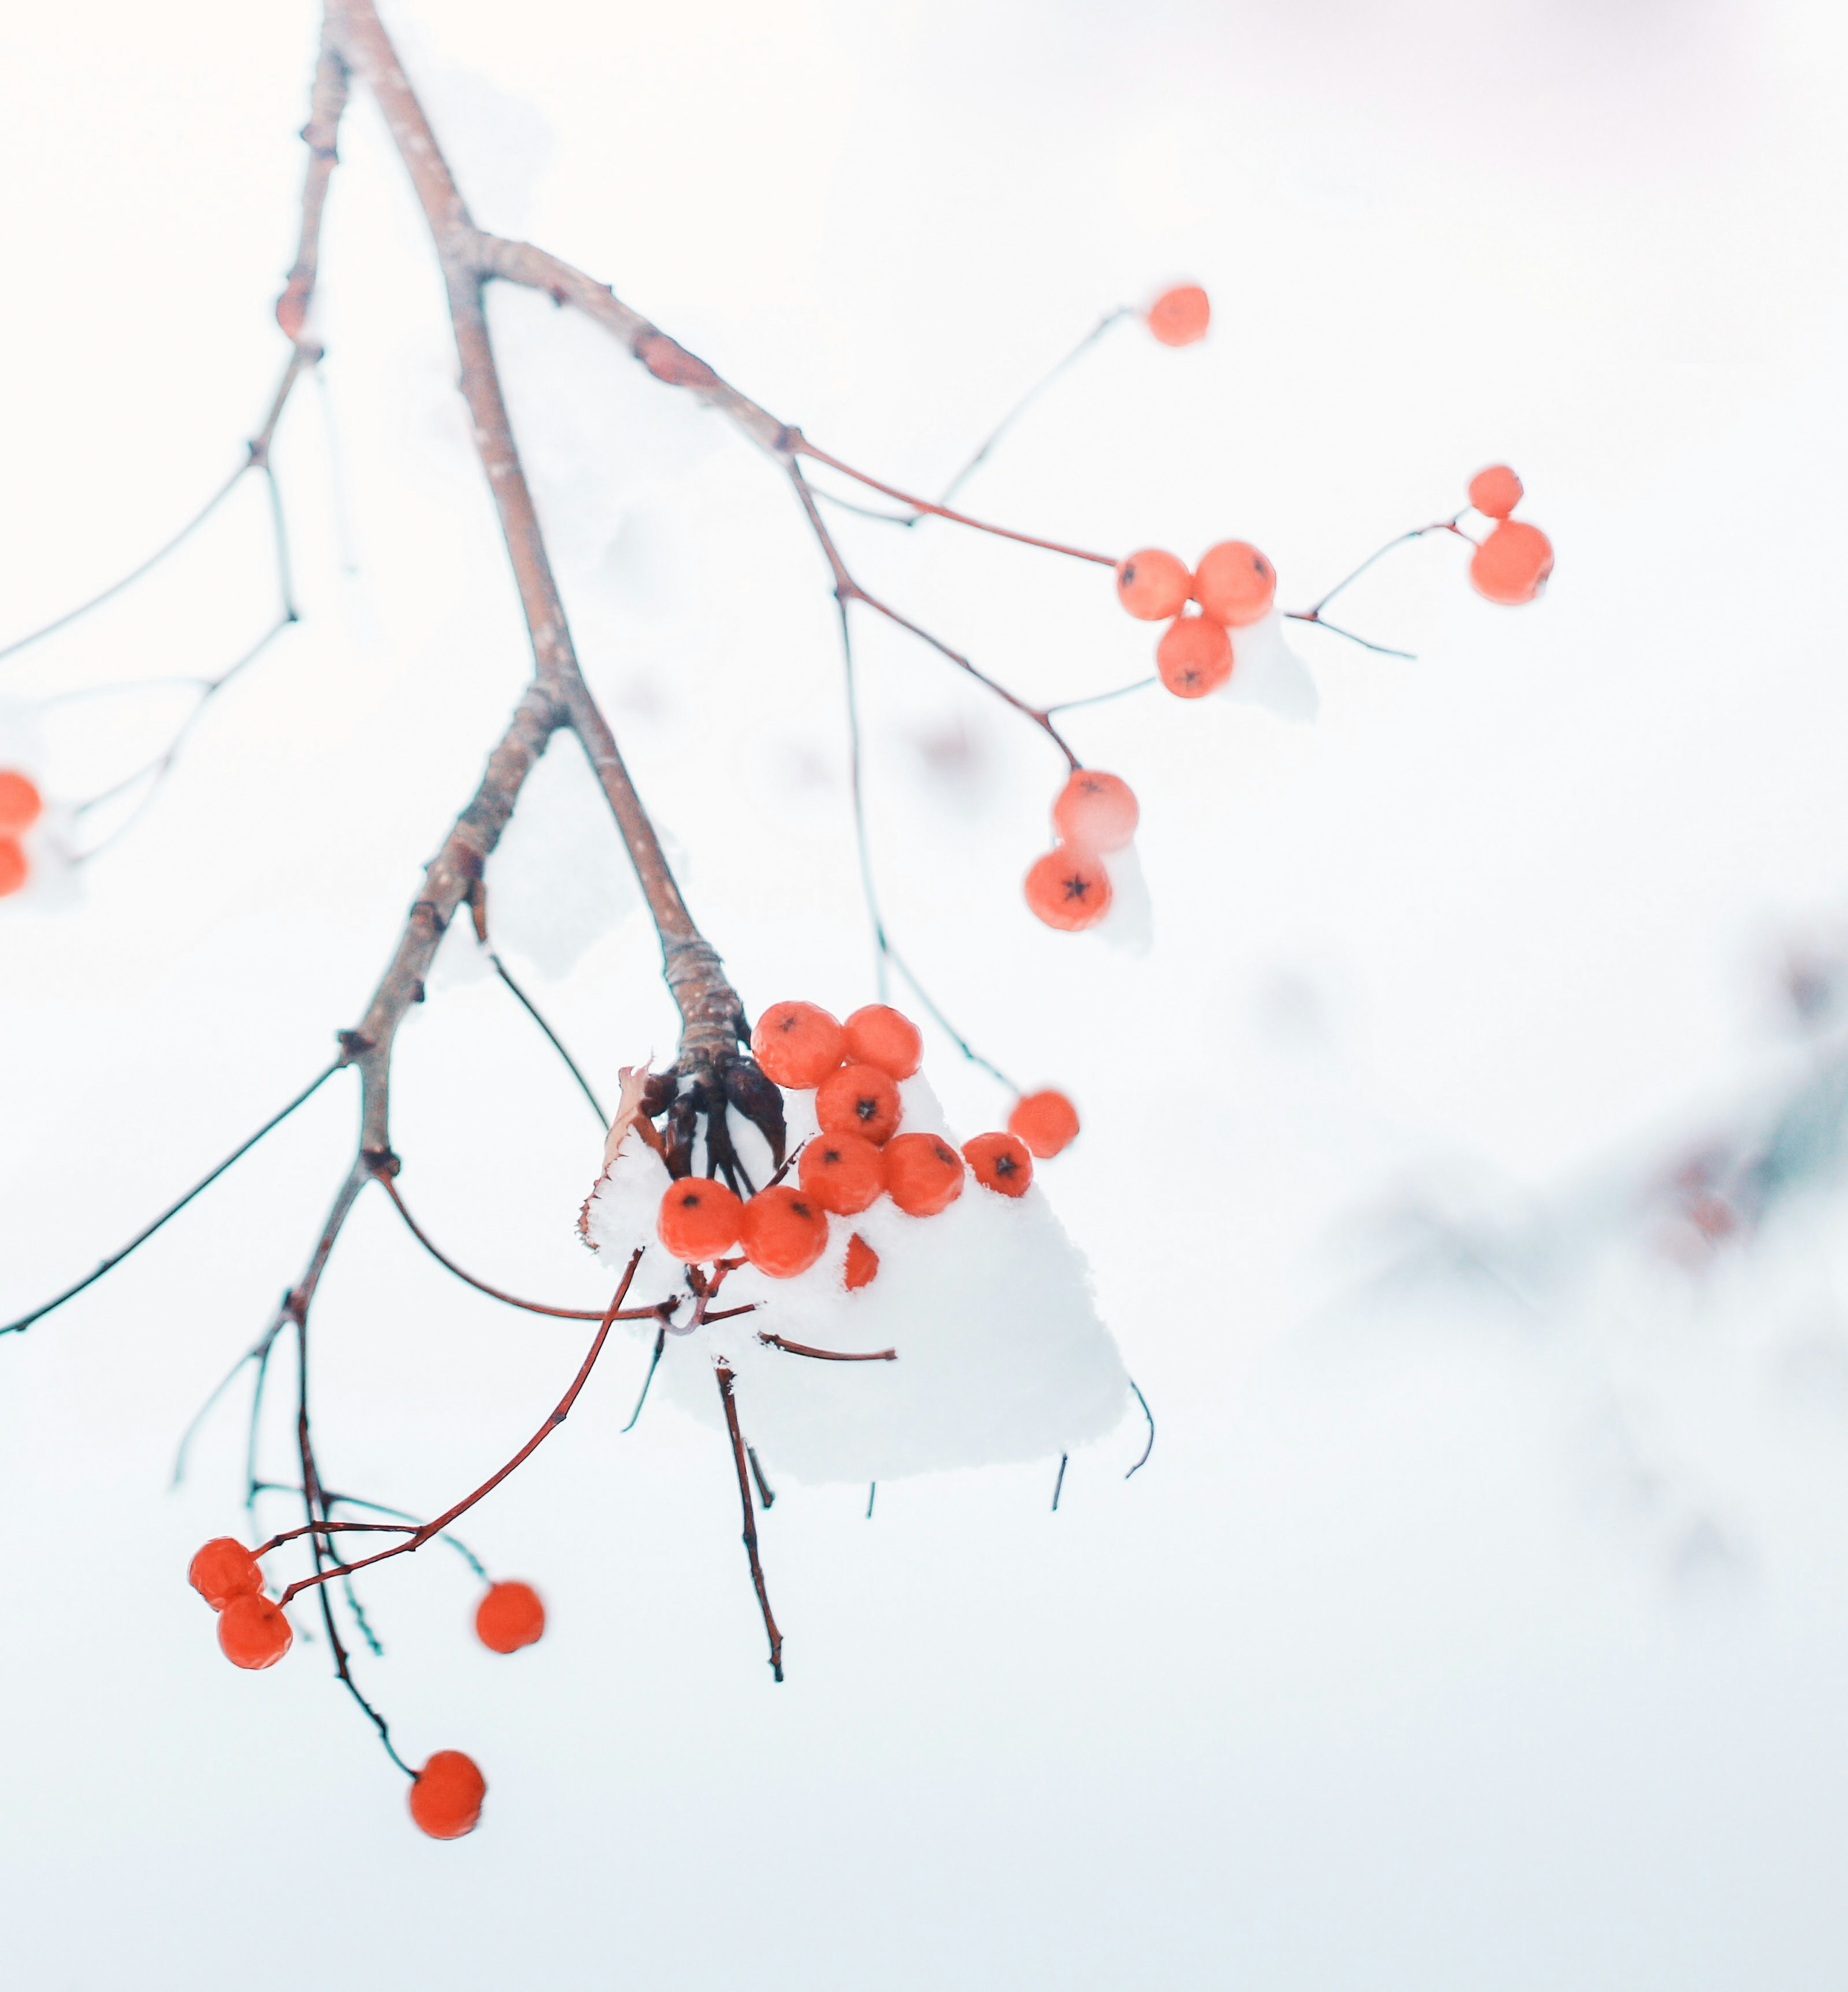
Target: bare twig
825,1354
725,1382
1150,1447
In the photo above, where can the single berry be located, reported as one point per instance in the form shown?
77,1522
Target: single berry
254,1631
862,1263
784,1232
1068,888
1153,585
797,1044
881,1035
1095,811
1194,657
1180,315
923,1174
20,802
510,1616
1047,1122
446,1796
1511,566
1234,583
13,867
699,1219
1495,492
858,1099
224,1569
841,1172
1001,1163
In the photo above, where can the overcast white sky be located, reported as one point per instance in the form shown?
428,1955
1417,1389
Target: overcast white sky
1446,1642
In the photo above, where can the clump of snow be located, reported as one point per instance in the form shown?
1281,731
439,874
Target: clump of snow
1130,925
559,879
1266,672
1001,1355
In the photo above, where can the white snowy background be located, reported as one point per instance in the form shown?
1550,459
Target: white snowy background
1479,1620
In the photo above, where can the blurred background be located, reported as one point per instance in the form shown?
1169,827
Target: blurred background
1459,1169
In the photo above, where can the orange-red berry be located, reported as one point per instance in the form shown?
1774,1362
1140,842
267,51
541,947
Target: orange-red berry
1234,583
881,1035
1194,657
510,1616
13,867
1046,1121
1495,492
1069,890
1153,585
843,1173
446,1796
923,1174
1095,811
858,1099
862,1263
20,802
224,1569
254,1631
797,1044
1001,1163
1511,566
699,1219
784,1233
1180,315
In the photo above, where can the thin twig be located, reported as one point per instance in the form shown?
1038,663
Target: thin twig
481,1286
757,1473
725,1381
173,1209
1150,1447
552,1037
429,1529
825,1354
1058,1483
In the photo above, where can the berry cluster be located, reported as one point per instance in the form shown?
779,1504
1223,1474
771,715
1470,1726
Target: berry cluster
1233,585
21,806
859,1154
254,1632
1511,564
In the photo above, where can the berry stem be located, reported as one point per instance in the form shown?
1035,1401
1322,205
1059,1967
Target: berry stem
428,1529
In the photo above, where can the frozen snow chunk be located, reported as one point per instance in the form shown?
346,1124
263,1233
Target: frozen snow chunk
1266,672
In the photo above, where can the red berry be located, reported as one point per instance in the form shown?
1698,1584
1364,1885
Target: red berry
510,1616
882,1036
1194,657
1001,1163
1153,585
862,1263
797,1044
923,1174
1095,811
254,1631
785,1233
20,802
1047,1122
1495,492
1068,888
224,1569
13,867
446,1796
858,1099
843,1173
1234,583
699,1219
1511,566
1180,315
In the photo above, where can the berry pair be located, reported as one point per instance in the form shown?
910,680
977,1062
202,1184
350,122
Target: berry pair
21,806
1511,564
1069,888
1234,585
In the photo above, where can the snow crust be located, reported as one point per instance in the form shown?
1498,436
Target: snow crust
1266,672
1001,1355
